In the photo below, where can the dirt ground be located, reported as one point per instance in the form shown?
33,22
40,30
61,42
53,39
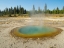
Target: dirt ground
7,41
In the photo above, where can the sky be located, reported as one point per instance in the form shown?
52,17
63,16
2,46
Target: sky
28,4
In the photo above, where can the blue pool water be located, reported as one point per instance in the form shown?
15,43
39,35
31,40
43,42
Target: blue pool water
36,30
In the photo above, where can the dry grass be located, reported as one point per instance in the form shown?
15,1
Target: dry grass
26,15
55,15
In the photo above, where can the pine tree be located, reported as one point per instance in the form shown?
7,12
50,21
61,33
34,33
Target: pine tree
6,11
17,10
57,10
20,10
63,9
14,11
39,10
9,12
0,12
45,8
25,11
33,9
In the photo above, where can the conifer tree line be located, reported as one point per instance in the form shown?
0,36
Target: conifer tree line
55,11
13,11
18,10
48,11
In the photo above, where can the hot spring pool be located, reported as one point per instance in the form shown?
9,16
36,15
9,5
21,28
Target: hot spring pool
35,31
30,30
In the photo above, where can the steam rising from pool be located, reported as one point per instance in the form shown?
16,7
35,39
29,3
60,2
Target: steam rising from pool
34,31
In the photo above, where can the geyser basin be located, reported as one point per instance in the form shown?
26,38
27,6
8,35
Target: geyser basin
35,31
